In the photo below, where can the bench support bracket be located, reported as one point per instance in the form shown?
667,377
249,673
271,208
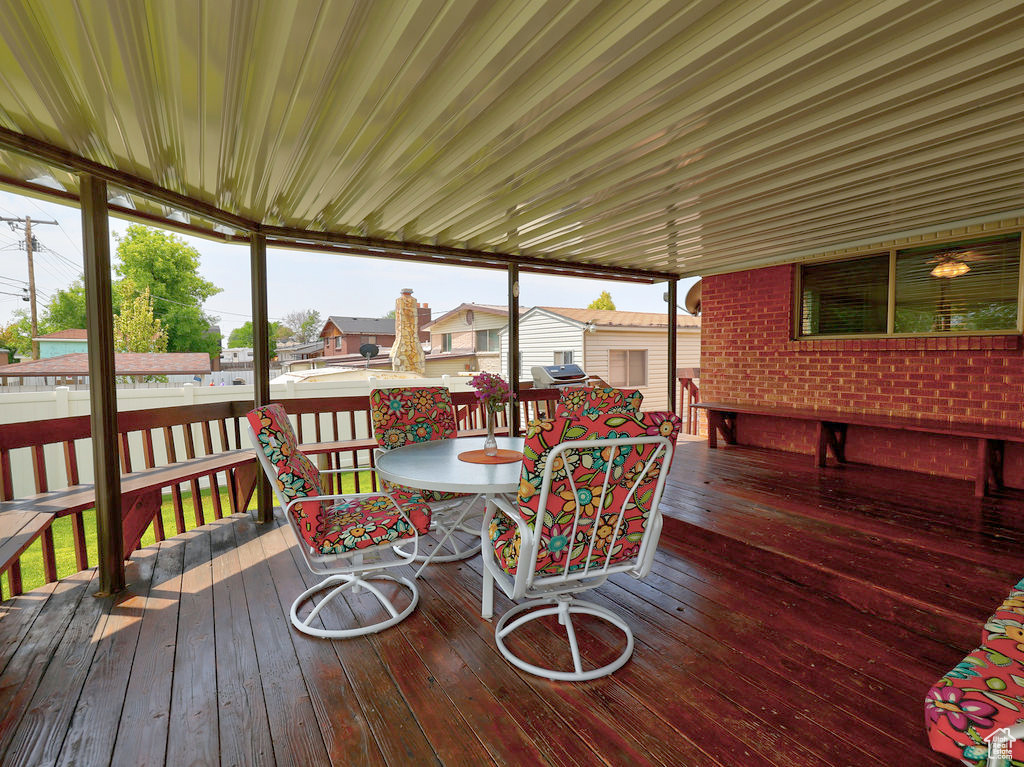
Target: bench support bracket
989,469
721,421
830,436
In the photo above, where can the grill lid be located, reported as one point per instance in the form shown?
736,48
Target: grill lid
546,375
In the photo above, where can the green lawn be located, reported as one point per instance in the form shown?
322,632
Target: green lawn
64,545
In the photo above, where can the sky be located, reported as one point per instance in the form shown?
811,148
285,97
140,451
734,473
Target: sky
298,280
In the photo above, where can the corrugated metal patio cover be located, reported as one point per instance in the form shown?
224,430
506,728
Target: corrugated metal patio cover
685,137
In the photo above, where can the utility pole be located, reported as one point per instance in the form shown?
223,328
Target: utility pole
27,222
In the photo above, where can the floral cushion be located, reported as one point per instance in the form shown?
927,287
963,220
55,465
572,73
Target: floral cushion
592,400
361,522
561,545
402,416
329,529
984,692
412,414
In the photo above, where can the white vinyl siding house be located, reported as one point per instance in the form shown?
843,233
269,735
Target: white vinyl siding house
541,334
544,332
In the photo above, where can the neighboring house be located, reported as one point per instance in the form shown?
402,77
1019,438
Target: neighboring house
236,354
626,349
297,350
62,342
344,335
470,332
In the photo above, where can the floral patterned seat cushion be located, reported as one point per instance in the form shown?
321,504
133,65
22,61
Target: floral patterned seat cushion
402,416
361,522
587,469
984,692
593,400
328,528
981,694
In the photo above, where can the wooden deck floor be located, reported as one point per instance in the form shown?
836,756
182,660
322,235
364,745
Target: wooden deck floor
793,618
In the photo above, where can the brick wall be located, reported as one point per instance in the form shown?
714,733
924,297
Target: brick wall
747,355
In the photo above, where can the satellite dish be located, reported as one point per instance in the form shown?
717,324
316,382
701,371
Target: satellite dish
369,350
692,301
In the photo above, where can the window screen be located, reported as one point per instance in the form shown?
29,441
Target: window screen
958,288
627,367
562,358
487,340
845,297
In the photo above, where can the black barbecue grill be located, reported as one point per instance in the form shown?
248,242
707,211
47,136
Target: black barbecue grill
558,376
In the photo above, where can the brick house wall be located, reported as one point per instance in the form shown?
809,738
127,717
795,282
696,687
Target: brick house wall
748,355
350,343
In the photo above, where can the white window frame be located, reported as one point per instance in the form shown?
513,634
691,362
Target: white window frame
562,357
493,340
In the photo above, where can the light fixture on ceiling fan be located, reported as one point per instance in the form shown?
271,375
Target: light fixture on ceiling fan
950,267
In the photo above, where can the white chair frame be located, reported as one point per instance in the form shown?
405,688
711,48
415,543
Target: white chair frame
555,594
354,570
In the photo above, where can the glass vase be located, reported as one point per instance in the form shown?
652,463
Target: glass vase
490,443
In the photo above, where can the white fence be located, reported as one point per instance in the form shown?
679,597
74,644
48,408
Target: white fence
63,402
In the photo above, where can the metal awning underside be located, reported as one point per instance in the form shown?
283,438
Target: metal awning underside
672,137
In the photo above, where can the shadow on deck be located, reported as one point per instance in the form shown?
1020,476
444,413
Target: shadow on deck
794,617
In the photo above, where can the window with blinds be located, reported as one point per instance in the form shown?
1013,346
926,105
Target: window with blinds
845,297
627,367
959,287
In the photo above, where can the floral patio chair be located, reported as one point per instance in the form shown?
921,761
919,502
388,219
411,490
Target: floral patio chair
406,415
347,538
587,508
592,400
975,713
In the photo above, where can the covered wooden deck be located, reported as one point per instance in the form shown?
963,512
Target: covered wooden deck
793,618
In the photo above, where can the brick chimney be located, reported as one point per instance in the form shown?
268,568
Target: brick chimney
423,315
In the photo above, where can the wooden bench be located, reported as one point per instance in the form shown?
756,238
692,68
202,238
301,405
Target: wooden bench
204,432
831,426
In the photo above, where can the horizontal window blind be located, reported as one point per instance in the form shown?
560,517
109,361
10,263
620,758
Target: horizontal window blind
958,288
845,297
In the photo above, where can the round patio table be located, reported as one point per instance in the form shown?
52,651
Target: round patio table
435,465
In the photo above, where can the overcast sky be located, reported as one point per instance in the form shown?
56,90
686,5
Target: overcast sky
331,284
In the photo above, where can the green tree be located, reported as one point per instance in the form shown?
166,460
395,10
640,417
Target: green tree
163,264
136,329
65,309
241,337
603,301
16,336
303,325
